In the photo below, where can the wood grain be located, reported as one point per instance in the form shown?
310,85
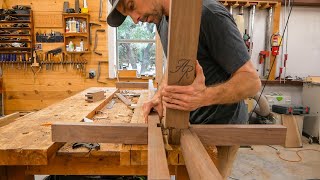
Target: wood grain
99,133
226,135
184,27
28,141
157,160
124,99
293,138
9,118
198,162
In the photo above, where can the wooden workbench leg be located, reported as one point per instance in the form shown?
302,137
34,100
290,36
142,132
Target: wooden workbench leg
226,157
182,173
18,173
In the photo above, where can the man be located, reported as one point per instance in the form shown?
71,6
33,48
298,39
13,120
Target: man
224,73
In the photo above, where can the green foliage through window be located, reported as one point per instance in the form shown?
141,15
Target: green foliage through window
136,47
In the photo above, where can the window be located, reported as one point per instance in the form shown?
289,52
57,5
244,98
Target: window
136,47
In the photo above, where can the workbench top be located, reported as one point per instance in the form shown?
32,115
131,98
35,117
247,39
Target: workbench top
27,141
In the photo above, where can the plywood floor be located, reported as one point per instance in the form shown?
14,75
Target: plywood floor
263,163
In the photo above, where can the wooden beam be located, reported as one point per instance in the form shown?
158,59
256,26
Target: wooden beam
124,99
99,133
227,135
183,39
198,161
157,160
9,118
209,134
140,85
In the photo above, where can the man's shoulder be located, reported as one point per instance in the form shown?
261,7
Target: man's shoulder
213,7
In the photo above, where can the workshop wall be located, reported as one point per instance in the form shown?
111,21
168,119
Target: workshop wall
303,41
27,91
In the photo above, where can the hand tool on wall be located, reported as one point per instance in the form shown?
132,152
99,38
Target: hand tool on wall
91,25
100,12
240,20
96,41
252,15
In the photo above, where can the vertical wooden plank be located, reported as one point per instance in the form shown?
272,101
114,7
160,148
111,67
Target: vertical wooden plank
159,60
3,171
182,173
293,138
182,53
276,25
157,160
198,162
18,173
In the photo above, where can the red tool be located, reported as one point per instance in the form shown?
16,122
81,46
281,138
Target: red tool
263,56
275,44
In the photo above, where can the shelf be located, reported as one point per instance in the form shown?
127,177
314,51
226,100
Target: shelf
15,35
15,28
12,41
17,21
17,15
74,52
12,52
287,82
71,15
14,48
75,34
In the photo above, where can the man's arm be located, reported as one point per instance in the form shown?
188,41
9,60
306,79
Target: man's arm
244,83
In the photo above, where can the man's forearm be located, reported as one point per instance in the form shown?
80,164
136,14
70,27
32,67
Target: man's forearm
239,87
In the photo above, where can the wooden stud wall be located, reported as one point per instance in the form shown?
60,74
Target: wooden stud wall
23,92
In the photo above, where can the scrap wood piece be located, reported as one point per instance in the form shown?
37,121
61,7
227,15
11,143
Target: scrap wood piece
182,54
293,138
99,133
124,99
95,96
9,118
227,135
197,160
140,85
157,160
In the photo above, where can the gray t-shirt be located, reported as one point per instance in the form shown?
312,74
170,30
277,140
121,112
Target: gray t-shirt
221,52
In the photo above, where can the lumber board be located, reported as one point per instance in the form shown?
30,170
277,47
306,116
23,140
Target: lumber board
141,85
184,27
9,118
28,141
124,99
157,160
293,138
197,160
227,135
99,133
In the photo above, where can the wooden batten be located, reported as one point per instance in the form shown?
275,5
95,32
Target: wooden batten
157,160
197,160
227,135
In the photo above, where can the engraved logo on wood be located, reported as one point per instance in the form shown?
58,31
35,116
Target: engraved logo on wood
184,68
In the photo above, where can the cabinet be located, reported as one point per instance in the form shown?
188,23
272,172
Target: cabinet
16,35
76,28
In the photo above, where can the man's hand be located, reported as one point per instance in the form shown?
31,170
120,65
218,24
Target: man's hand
186,98
155,103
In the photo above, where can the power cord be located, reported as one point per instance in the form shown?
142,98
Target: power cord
297,152
275,57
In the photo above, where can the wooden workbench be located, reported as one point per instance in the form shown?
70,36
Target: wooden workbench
26,148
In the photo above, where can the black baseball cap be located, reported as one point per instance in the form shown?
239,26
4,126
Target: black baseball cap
115,18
